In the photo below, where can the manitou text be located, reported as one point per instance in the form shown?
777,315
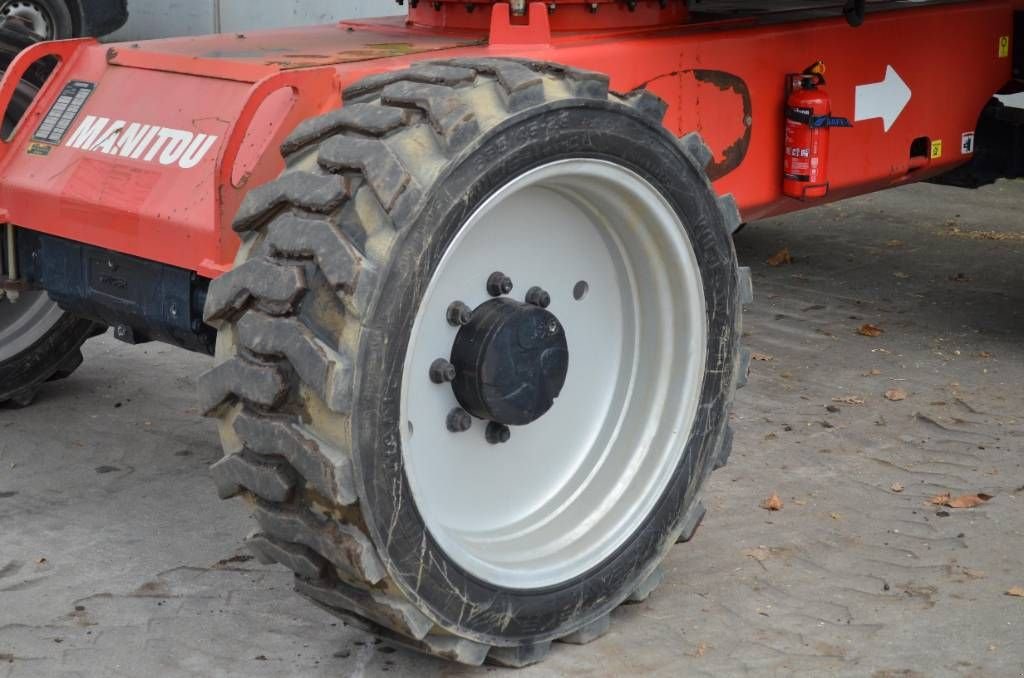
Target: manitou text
149,143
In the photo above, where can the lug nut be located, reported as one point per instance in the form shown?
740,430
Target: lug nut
442,371
497,433
459,420
459,314
498,284
538,297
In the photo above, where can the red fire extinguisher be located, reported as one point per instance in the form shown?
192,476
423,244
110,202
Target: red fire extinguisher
808,124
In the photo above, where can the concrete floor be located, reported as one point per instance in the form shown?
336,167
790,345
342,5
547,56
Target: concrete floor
116,558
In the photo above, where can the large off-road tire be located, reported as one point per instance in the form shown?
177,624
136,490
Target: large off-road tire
38,341
335,427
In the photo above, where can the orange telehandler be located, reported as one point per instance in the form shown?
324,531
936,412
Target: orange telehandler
468,274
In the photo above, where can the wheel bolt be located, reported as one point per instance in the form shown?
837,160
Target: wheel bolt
497,433
442,371
459,314
498,284
459,420
538,297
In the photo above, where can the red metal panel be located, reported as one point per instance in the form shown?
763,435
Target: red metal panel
723,79
727,81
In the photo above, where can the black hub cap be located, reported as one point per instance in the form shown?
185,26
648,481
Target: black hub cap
511,361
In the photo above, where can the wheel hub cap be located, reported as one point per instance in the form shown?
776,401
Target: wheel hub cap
511,362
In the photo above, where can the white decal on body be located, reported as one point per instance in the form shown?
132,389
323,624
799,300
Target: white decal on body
149,143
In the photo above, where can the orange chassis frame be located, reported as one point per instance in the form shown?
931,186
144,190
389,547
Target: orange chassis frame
723,78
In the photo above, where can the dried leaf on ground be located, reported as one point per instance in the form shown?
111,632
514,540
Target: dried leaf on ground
849,400
760,554
963,501
984,354
780,258
961,574
869,330
772,503
1017,591
897,487
901,275
836,516
702,648
762,357
968,501
895,394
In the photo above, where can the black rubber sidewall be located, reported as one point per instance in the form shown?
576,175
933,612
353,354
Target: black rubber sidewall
41,360
455,599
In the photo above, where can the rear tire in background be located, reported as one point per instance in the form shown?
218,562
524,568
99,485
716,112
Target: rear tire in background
482,508
49,19
38,341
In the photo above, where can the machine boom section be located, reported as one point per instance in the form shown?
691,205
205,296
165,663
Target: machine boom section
148,150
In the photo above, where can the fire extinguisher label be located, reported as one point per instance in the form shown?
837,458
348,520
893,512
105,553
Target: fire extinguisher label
800,151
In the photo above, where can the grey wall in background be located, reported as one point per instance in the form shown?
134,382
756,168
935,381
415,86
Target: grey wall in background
155,19
247,15
165,18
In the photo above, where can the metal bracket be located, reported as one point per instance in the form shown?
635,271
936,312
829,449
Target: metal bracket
10,287
536,30
63,50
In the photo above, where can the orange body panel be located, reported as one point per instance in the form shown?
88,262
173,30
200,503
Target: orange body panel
726,80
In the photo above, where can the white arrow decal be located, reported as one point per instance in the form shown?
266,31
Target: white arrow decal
885,100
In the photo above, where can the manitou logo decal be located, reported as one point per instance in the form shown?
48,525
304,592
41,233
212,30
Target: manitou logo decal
148,143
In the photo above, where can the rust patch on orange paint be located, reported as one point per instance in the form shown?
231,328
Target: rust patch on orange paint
717,104
733,154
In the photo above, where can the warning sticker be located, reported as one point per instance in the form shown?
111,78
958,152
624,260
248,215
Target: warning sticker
967,143
64,111
1004,46
36,148
936,149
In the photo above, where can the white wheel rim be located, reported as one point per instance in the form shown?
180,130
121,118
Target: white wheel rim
36,16
570,488
25,321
